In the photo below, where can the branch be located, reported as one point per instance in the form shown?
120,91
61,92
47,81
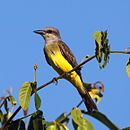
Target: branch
44,85
124,52
26,116
59,77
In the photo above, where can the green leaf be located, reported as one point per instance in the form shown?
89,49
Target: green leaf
128,67
17,125
37,101
12,100
24,94
56,126
35,122
102,118
61,126
1,117
102,50
80,122
53,126
128,128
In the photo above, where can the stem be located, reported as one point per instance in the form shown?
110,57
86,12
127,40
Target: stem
35,68
42,86
59,77
124,52
26,116
34,75
2,103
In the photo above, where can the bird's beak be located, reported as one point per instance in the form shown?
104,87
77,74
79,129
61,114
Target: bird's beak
41,32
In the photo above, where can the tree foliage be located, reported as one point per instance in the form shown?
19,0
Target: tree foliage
37,120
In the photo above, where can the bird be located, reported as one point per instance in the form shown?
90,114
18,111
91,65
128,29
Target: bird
59,56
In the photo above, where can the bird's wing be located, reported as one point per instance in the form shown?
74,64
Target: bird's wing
46,56
67,53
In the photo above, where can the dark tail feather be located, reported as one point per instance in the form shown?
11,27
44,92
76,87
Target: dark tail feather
89,103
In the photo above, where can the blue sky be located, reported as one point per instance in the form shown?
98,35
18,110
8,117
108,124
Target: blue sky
77,21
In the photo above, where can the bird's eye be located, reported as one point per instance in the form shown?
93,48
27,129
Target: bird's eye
49,31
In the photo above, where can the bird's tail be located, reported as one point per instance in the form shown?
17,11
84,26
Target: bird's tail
88,101
83,89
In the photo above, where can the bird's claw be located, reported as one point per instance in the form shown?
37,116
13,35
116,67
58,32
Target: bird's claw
55,81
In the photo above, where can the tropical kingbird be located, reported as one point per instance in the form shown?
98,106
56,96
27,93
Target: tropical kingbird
60,57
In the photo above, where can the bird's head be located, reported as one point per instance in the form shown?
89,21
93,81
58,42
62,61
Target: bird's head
49,34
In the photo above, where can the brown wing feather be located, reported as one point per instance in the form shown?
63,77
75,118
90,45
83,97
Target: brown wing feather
67,53
46,56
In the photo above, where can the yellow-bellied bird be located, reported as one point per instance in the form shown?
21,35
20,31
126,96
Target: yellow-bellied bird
60,57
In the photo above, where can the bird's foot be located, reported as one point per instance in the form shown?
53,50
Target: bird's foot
55,81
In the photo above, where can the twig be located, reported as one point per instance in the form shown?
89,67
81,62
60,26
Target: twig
59,77
79,103
42,86
124,52
26,116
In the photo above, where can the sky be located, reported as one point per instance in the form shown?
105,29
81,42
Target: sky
77,21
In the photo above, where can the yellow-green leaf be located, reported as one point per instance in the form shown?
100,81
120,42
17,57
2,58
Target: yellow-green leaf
128,67
24,94
52,127
56,126
80,121
95,94
97,35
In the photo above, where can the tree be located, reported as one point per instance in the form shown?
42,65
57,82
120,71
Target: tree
37,120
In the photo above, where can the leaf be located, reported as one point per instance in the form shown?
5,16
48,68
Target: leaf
56,126
17,125
52,127
37,101
24,94
128,67
9,114
35,122
128,128
95,94
102,50
12,100
1,117
102,118
81,122
95,90
61,126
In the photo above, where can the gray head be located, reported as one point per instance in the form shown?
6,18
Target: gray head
49,34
